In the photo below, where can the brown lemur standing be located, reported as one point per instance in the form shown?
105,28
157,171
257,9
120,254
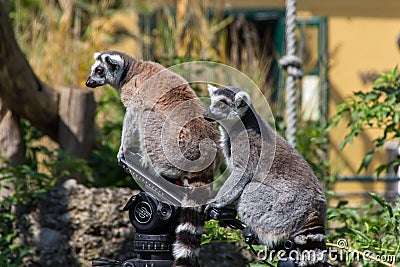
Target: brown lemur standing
165,115
271,186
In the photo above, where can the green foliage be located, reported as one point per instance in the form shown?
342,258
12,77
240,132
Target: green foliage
371,233
56,163
377,109
101,169
11,253
215,233
371,230
24,183
312,143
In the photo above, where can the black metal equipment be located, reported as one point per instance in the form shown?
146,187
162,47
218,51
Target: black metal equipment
155,222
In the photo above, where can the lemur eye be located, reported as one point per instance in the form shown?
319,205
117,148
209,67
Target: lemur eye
222,105
99,70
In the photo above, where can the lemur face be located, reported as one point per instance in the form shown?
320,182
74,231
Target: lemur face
227,104
106,70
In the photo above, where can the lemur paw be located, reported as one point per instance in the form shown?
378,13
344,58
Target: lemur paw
120,155
213,205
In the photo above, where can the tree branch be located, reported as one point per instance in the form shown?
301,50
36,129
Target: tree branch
20,89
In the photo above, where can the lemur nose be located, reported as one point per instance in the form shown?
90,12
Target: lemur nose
90,83
208,116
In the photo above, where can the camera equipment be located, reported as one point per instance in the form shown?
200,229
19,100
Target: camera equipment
147,214
155,221
149,182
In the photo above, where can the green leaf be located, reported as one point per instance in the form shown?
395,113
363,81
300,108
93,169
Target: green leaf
342,203
366,161
380,169
378,199
361,234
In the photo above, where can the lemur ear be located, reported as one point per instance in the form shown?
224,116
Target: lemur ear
242,99
211,89
96,55
115,61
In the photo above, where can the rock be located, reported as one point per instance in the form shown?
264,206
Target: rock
72,224
70,185
49,240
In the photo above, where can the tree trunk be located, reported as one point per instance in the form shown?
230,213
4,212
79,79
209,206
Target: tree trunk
11,144
20,89
77,111
66,117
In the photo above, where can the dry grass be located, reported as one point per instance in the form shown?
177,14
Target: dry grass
186,30
60,37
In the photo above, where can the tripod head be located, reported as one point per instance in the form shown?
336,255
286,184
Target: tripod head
154,222
149,215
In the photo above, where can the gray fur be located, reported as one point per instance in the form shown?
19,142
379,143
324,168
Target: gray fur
166,116
275,192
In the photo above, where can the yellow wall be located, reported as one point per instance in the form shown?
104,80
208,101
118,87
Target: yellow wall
357,46
362,39
345,8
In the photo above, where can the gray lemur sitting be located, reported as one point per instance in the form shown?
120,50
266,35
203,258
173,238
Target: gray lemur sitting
166,116
271,186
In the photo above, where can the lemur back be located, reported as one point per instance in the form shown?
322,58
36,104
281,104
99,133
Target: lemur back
165,115
272,187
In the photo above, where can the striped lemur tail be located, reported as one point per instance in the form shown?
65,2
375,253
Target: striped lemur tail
191,222
188,237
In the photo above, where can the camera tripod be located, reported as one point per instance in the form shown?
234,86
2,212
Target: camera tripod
155,249
154,221
149,215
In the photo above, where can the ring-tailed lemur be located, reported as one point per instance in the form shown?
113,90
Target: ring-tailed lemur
275,192
166,116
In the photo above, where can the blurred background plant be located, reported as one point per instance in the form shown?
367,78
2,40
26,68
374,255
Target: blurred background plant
42,169
379,110
368,235
374,227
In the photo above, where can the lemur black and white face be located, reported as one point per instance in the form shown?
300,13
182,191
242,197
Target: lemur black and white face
107,69
228,104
